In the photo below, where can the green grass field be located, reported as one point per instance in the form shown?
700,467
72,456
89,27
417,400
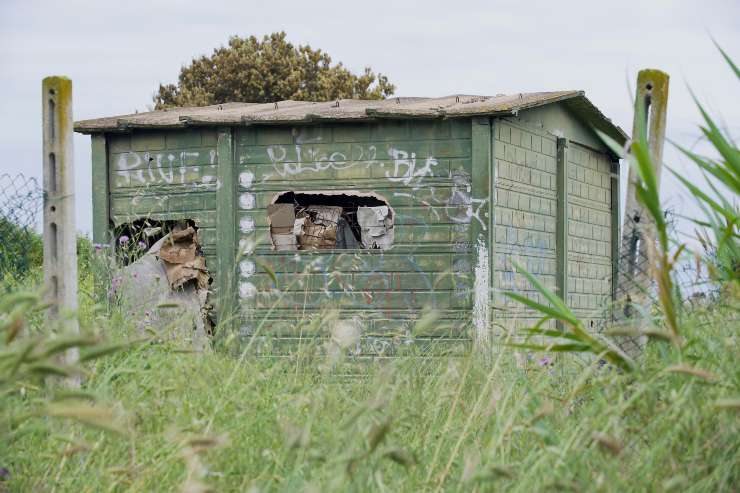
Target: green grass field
165,420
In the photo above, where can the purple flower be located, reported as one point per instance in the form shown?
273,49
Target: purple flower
545,361
123,239
141,245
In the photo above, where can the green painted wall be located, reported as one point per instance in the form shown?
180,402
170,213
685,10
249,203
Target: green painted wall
525,215
165,175
453,246
589,232
563,234
422,169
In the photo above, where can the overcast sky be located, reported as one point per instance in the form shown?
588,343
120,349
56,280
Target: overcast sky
116,56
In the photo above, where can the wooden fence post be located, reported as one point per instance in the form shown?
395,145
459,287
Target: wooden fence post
638,231
60,242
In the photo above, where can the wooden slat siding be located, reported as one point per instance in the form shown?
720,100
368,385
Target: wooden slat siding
226,232
616,225
562,226
100,190
590,232
141,191
525,216
369,347
430,261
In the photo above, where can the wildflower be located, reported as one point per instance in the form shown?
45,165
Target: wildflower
141,245
123,239
99,246
545,361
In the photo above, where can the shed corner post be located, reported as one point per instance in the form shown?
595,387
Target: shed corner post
481,232
616,230
101,231
562,222
226,232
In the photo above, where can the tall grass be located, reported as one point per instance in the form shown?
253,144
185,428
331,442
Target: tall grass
413,424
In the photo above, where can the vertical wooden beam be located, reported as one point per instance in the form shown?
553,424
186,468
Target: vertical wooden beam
562,219
226,232
100,190
492,219
480,231
60,235
651,102
615,229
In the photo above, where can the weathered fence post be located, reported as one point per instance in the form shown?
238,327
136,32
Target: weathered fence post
60,243
638,231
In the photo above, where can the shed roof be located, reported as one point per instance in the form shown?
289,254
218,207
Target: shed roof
353,110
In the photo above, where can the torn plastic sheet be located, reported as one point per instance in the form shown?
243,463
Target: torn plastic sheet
166,290
376,227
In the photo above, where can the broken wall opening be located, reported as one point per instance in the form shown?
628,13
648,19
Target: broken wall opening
325,220
134,239
162,278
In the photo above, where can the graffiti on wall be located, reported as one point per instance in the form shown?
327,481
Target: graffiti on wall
378,289
194,168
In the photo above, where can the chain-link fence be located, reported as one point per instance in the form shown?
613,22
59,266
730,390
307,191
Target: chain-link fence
21,200
636,298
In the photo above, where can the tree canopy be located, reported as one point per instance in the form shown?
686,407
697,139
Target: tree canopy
273,69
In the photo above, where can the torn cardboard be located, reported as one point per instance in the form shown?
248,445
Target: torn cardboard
319,229
281,218
166,290
376,227
183,261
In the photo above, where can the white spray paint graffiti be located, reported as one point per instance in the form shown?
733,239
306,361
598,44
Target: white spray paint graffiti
247,268
246,224
181,168
405,170
246,179
310,159
247,201
481,296
247,290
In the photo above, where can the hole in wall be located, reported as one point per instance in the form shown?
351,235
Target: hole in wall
134,239
326,220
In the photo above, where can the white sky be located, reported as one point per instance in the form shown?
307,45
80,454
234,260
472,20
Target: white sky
116,56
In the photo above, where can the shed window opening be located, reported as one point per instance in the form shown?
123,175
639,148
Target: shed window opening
330,220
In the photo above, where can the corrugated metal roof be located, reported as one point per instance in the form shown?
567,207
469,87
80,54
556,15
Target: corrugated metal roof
293,112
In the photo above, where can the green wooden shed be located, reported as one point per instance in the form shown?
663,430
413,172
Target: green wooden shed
380,211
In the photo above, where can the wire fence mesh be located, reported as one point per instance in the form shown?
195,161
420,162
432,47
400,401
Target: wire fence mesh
21,200
636,298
